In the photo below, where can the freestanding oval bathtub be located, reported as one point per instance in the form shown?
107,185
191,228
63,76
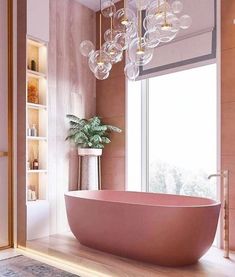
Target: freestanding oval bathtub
162,229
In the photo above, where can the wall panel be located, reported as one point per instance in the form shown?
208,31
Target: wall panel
71,90
3,126
228,103
111,106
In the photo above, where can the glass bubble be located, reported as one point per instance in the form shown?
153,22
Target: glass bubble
123,19
131,30
150,23
109,36
177,6
132,71
166,35
139,53
113,50
108,8
152,38
158,8
86,48
185,21
99,60
122,39
100,75
172,23
175,22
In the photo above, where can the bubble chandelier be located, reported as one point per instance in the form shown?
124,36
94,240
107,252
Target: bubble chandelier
137,33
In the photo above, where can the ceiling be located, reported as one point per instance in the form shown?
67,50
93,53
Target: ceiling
92,4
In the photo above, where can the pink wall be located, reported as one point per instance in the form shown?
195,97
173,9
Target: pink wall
110,105
228,104
71,90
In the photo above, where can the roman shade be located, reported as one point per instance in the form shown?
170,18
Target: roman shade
196,45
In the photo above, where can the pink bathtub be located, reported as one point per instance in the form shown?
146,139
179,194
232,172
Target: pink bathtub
162,229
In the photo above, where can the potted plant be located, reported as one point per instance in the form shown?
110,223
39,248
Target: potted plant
89,135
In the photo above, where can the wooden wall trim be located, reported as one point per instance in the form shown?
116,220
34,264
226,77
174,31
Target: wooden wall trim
21,124
10,120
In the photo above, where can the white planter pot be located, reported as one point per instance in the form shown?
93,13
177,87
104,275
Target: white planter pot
89,152
89,169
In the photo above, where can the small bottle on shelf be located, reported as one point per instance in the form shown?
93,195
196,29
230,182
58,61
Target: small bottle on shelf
33,194
34,131
35,164
28,131
29,195
33,65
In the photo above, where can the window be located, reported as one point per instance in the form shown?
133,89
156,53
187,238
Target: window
134,136
183,132
180,111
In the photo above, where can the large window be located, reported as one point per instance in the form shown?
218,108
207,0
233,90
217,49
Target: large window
182,132
180,149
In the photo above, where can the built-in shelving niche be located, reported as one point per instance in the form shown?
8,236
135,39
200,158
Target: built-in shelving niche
37,144
37,53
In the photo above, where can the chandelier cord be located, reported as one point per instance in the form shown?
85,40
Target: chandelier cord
165,8
111,27
100,26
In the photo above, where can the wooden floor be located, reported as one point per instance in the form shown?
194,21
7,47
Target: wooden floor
66,247
9,253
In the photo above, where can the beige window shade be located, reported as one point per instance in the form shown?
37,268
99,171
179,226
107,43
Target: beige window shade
195,45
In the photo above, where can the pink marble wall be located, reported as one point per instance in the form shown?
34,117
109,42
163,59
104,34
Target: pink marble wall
110,105
228,104
72,89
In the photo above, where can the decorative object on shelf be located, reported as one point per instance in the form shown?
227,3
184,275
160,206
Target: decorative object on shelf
34,131
37,183
35,164
153,23
90,136
31,195
28,131
32,94
33,66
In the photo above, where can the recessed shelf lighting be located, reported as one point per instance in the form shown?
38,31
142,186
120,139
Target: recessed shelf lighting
36,138
37,171
36,74
36,106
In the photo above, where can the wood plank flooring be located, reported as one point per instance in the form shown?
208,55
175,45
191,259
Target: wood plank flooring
67,248
9,253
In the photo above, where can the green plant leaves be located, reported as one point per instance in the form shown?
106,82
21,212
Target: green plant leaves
89,133
113,129
94,121
105,140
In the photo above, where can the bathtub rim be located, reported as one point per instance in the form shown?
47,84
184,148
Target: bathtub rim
214,203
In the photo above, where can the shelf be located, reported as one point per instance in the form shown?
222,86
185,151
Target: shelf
36,106
37,43
37,202
36,74
37,171
36,138
37,146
